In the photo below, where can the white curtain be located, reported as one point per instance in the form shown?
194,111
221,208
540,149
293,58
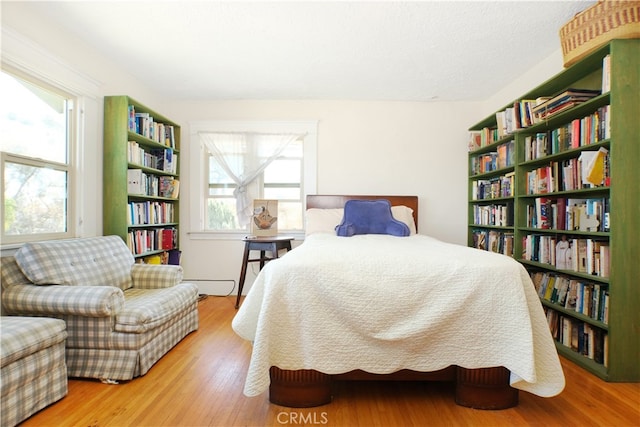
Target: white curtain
244,156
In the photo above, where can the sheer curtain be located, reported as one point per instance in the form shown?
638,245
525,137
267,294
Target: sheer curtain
244,156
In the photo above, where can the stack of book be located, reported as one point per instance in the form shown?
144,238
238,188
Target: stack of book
565,100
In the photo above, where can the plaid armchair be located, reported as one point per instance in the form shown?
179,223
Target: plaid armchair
121,317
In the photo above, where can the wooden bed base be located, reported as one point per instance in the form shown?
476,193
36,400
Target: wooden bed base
484,388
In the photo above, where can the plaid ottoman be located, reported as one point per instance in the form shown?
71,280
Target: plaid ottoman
33,372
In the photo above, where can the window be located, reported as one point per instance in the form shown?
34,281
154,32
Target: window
288,176
281,180
35,141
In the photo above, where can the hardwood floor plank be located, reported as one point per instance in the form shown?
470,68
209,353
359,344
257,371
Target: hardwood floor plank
200,383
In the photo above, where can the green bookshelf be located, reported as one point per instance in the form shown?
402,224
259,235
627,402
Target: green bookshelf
615,339
141,178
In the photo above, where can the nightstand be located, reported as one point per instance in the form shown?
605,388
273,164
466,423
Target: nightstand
263,244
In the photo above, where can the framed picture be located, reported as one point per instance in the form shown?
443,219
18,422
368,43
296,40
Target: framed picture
265,218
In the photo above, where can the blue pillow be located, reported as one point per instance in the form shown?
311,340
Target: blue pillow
370,217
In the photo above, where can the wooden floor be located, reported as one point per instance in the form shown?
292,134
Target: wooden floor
200,381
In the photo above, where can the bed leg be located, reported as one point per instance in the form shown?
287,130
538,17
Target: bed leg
485,388
303,388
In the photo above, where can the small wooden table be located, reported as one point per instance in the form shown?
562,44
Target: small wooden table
272,244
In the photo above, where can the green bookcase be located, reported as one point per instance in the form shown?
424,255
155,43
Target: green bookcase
143,153
615,338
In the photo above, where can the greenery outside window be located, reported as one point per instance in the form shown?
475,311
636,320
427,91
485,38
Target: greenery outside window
35,127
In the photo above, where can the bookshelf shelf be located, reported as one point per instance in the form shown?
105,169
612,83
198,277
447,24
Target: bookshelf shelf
149,170
576,112
582,193
147,144
553,225
554,232
589,364
497,172
151,253
164,224
579,316
491,227
141,197
495,200
567,154
143,140
576,274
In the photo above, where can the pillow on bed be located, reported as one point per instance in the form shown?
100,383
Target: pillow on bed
322,220
405,214
370,217
326,220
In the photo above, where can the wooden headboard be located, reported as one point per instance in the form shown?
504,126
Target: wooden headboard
323,201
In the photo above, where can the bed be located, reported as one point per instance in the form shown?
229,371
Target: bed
398,308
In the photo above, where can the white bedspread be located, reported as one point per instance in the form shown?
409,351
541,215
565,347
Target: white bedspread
381,303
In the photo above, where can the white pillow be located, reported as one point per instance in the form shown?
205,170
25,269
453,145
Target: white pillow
404,214
326,220
322,220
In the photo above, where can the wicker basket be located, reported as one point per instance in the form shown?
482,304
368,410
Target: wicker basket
597,25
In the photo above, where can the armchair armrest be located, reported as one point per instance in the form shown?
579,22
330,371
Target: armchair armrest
56,300
154,276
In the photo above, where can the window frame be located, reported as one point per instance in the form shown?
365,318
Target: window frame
259,183
22,56
198,189
72,123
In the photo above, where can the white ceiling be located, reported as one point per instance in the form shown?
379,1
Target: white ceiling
385,50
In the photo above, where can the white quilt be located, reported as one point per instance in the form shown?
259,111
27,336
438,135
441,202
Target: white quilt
382,303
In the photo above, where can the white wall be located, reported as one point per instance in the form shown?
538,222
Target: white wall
30,43
67,48
363,147
540,73
409,148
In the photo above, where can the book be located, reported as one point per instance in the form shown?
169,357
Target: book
136,181
144,124
501,121
542,285
509,120
169,187
524,116
174,257
566,96
563,101
606,73
480,238
581,245
550,285
605,260
542,213
167,238
567,325
563,254
475,140
572,295
176,189
561,220
153,259
494,242
593,166
170,138
563,288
